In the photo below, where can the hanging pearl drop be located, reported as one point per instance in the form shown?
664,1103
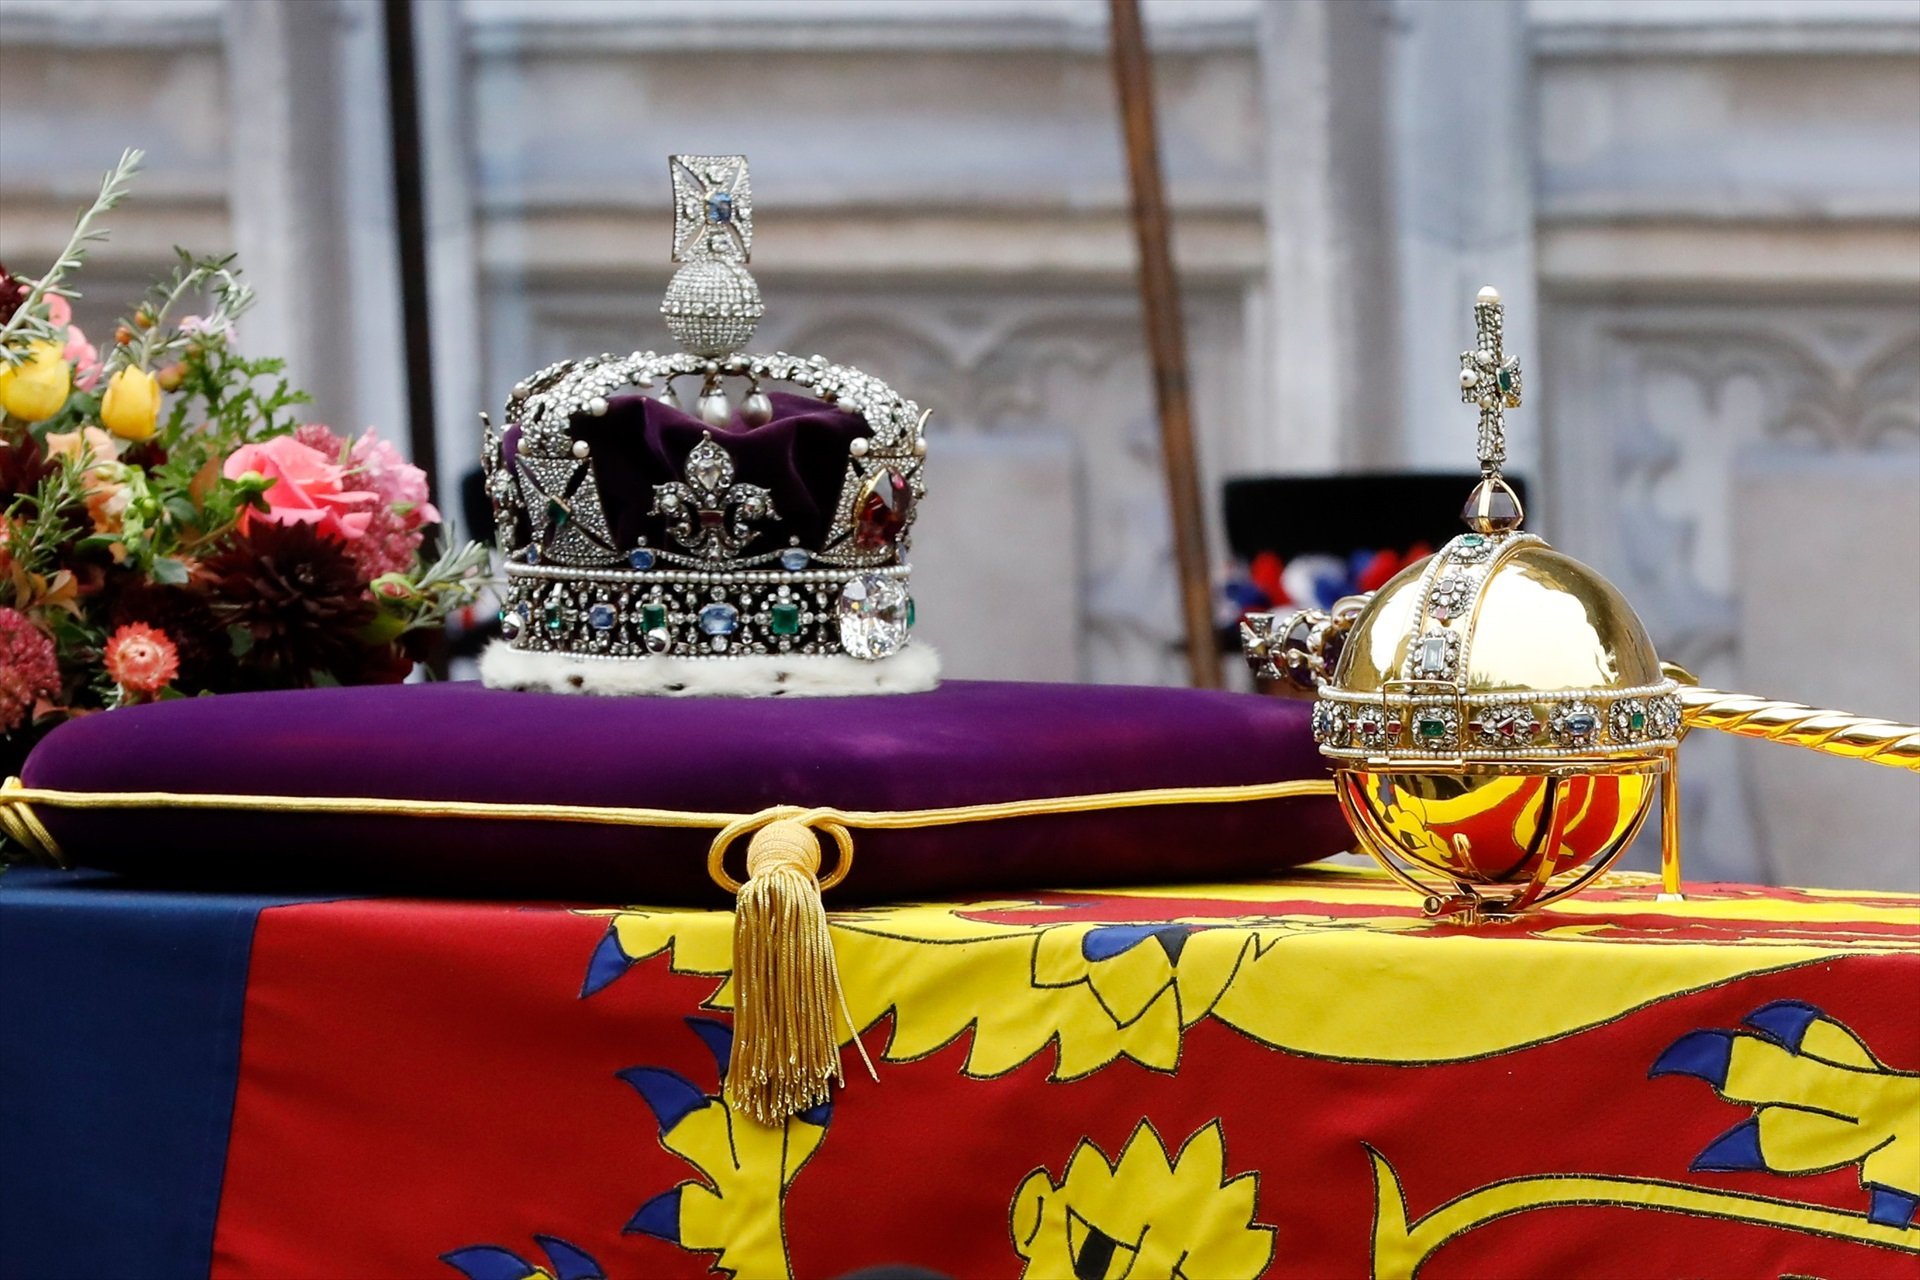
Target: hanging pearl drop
757,409
715,411
670,397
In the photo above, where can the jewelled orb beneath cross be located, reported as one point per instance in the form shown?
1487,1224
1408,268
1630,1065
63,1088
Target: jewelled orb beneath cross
1498,720
713,303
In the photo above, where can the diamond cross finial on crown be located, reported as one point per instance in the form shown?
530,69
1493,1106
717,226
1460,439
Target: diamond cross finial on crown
1490,379
712,208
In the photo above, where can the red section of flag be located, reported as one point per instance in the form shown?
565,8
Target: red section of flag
418,1078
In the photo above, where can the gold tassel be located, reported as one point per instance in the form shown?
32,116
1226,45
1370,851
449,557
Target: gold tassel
19,823
786,986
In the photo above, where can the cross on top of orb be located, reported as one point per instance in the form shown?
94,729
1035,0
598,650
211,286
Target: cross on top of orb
1490,379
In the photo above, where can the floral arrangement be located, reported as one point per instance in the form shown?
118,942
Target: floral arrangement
170,526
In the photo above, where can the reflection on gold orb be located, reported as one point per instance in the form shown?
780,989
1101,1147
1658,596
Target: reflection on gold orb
1497,829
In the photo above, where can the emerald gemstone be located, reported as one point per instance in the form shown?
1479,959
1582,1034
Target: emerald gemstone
785,619
652,616
1431,727
1505,379
1471,539
1637,720
558,512
910,611
556,620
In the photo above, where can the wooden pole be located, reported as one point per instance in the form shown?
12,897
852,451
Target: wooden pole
1166,339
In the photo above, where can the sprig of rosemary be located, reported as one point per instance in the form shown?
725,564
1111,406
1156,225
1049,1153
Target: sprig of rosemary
26,325
453,581
231,297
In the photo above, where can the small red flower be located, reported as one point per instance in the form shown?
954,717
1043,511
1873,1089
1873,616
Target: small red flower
29,670
142,660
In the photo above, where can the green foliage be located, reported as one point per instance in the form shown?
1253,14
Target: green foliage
29,324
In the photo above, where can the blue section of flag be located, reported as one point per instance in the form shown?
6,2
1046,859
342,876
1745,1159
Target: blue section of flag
121,1015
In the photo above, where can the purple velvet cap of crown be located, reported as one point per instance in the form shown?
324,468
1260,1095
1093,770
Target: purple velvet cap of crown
965,743
799,457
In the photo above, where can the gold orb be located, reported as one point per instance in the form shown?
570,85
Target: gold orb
1498,719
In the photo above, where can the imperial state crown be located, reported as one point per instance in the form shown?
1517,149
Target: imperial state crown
757,550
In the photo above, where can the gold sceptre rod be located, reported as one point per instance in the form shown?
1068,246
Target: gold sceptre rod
1834,732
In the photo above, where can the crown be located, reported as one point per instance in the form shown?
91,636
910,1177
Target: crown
768,541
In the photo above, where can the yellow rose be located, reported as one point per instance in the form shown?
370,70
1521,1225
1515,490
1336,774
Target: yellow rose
34,390
131,407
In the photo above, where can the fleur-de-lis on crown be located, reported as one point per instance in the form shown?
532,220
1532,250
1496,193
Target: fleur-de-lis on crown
710,515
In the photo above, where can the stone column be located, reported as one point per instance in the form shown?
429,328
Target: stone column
1462,146
1332,349
311,195
453,264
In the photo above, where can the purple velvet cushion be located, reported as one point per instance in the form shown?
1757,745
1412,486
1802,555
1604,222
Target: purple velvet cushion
964,743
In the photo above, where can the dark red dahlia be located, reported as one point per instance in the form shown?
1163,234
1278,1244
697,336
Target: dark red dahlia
296,602
23,465
13,292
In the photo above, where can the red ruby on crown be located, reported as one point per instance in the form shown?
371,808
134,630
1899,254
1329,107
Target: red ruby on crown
881,510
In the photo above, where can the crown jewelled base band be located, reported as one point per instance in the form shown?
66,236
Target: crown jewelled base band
864,614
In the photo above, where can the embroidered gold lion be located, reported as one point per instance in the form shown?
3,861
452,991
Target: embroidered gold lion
1143,1215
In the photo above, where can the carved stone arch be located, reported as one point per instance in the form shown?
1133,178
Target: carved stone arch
1794,377
1887,391
1012,375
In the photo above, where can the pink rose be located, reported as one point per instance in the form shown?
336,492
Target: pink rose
84,357
308,488
401,510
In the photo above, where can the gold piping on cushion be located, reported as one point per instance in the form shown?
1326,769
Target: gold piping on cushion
18,819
